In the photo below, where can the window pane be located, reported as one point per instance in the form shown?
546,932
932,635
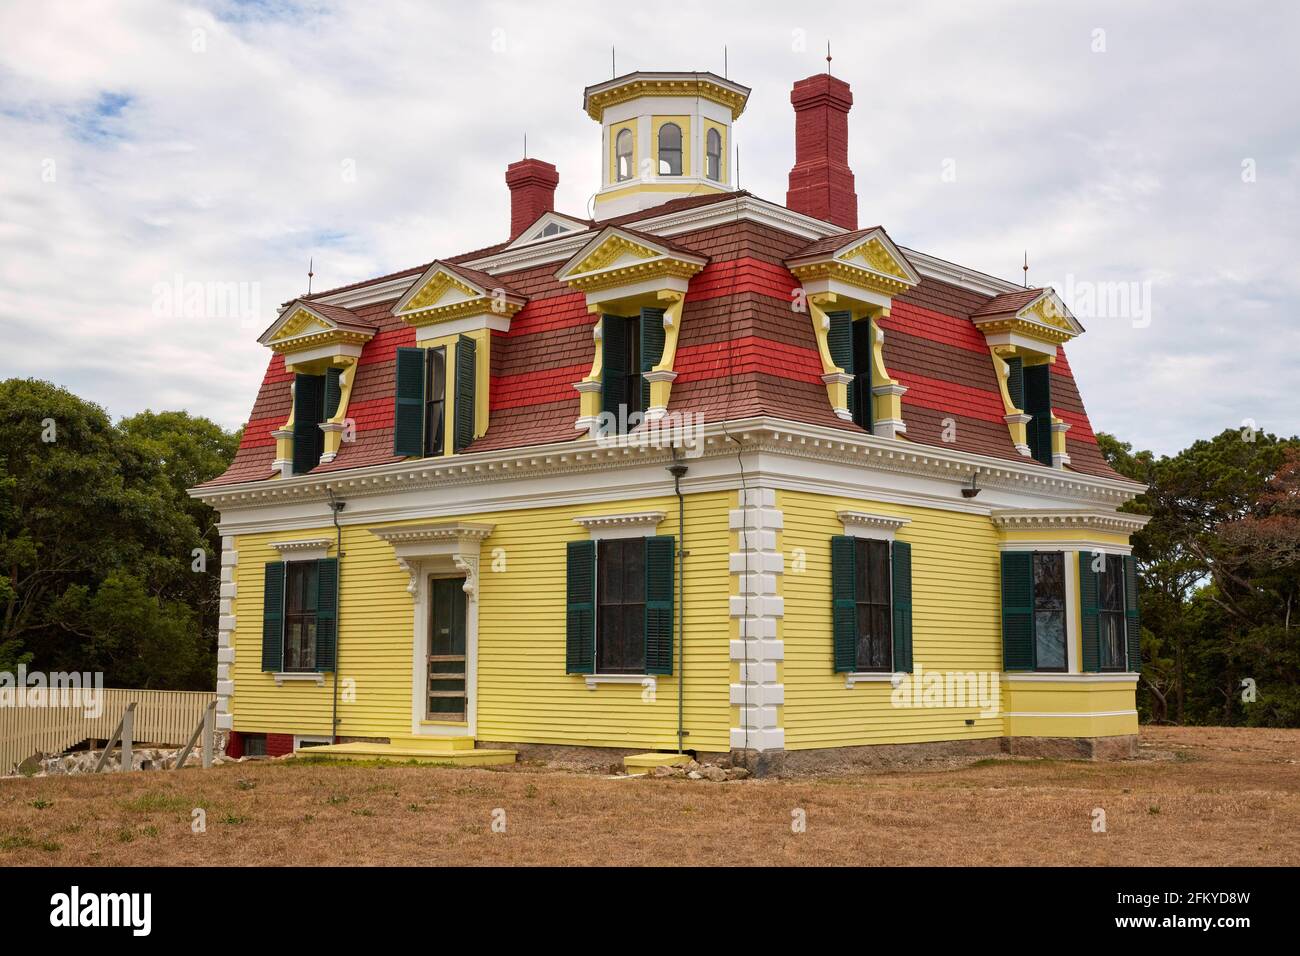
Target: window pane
1049,581
713,155
879,573
620,641
1049,638
670,150
624,155
1111,628
1111,584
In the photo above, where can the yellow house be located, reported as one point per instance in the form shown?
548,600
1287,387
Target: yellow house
705,474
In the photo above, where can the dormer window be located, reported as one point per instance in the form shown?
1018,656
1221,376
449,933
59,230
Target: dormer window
670,150
713,155
553,229
623,155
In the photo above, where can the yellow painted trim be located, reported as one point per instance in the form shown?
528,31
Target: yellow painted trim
684,124
885,407
634,187
837,393
597,103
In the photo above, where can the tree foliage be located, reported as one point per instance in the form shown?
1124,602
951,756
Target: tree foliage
1219,566
99,543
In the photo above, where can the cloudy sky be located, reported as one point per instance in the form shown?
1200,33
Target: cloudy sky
1147,157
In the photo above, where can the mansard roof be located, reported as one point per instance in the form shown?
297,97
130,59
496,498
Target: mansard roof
743,352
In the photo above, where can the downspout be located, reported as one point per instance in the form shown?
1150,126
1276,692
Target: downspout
335,507
677,470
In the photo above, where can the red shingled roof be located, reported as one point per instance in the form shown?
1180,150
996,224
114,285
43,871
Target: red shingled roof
1008,302
744,351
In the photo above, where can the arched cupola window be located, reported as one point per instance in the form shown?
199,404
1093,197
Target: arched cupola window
713,155
670,150
623,155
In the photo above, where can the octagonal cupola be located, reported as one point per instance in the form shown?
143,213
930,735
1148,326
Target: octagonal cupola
663,136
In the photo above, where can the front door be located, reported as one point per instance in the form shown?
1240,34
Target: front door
446,683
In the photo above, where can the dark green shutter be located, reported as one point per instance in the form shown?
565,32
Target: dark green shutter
333,391
1090,639
860,397
308,409
273,616
652,348
580,632
901,556
1132,615
1018,610
1038,403
466,388
839,339
844,608
327,612
613,363
659,604
408,417
1016,382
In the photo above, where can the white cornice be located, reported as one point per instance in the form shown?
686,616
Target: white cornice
863,524
766,435
622,526
1112,522
433,533
308,548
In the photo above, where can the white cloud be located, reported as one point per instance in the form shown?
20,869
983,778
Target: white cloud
226,165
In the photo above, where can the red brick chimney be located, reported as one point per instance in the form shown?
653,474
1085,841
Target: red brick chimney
532,192
821,183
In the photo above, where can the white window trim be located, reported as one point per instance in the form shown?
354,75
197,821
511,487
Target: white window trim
869,677
862,524
640,524
315,677
592,680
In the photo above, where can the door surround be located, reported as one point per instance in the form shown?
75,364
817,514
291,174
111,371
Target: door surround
424,551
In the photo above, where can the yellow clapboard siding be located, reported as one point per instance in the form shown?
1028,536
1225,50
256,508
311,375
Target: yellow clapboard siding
524,694
955,625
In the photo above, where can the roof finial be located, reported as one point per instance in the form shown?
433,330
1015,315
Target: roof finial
828,57
525,145
310,273
1026,268
613,64
724,61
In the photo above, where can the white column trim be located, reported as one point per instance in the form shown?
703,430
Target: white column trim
759,608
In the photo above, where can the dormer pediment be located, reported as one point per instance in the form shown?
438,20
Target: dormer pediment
307,331
448,292
626,262
864,265
1032,318
548,226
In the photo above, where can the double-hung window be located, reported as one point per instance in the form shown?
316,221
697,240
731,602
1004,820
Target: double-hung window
300,615
620,594
871,605
1034,630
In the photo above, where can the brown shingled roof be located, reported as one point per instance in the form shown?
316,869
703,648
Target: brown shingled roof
1008,302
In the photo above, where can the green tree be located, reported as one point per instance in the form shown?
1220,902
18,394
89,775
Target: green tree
94,520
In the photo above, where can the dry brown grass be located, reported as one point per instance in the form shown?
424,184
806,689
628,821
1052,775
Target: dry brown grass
1196,797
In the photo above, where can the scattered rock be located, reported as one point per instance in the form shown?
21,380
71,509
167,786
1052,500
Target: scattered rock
715,774
695,775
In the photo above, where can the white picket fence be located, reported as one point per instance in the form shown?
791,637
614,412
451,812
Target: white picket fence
162,717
